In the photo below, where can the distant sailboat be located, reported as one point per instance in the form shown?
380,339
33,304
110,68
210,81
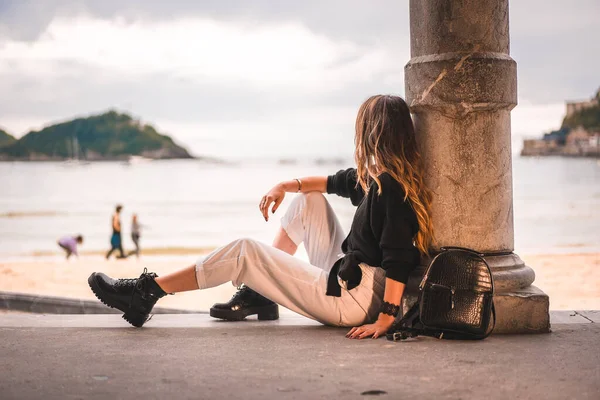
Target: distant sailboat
132,160
74,159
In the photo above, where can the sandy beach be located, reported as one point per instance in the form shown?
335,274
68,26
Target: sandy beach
571,280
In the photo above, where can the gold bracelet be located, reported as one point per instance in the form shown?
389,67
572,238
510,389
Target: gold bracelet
299,184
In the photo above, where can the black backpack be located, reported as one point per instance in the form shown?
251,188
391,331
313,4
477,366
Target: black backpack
456,299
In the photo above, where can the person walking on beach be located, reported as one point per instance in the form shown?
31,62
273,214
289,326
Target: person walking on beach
135,235
352,281
69,244
115,239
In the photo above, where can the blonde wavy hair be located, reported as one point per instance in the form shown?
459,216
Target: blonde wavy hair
385,142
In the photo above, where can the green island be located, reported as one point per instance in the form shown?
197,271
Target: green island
108,136
6,138
578,136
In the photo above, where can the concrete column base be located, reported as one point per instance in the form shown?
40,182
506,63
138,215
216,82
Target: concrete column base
522,311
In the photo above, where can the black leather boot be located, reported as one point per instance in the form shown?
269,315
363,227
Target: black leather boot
244,303
135,297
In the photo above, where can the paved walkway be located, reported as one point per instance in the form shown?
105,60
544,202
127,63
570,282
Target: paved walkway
192,356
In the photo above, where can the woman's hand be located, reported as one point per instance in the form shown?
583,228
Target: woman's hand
274,195
379,328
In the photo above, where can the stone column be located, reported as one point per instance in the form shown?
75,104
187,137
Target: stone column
461,85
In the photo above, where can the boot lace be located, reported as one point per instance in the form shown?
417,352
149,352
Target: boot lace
140,284
125,283
242,290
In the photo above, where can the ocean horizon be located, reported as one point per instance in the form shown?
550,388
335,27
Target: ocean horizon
192,206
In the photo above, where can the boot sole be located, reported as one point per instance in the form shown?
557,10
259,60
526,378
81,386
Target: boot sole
134,318
264,313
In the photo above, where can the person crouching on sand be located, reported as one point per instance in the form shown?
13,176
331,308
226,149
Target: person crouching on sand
69,244
351,281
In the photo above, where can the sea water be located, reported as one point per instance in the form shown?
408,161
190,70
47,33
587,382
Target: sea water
191,205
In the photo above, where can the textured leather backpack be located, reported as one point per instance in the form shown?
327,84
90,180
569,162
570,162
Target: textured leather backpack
456,299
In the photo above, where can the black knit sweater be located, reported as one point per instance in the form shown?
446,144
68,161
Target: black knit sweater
382,231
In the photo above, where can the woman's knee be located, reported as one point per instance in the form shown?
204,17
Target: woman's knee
309,202
249,253
242,243
316,198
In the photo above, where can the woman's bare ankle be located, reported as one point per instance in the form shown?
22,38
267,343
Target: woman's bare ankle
180,281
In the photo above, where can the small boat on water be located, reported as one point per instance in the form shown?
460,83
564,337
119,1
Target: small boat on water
74,159
133,160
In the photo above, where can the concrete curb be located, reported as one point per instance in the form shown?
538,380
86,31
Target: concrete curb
38,304
62,305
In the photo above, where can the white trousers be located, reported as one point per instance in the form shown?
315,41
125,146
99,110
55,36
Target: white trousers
295,284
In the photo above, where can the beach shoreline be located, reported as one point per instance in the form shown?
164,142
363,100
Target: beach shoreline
571,280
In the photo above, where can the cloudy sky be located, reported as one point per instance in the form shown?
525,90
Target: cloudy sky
276,78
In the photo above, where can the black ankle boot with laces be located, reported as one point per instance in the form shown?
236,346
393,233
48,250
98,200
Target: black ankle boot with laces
135,297
244,303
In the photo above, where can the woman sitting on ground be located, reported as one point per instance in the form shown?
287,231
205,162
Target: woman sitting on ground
357,281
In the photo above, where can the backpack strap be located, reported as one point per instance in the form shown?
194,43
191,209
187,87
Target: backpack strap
410,326
442,249
489,332
498,253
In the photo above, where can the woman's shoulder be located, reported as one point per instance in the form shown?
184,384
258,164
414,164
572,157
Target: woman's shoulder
347,171
390,184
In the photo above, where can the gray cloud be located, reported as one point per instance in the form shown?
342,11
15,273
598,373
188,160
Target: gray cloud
554,44
360,21
81,89
552,41
556,48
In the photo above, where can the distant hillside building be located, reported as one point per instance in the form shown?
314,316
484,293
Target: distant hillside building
567,141
537,147
576,106
581,142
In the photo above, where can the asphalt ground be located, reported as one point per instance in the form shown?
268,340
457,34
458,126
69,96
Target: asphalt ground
196,357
